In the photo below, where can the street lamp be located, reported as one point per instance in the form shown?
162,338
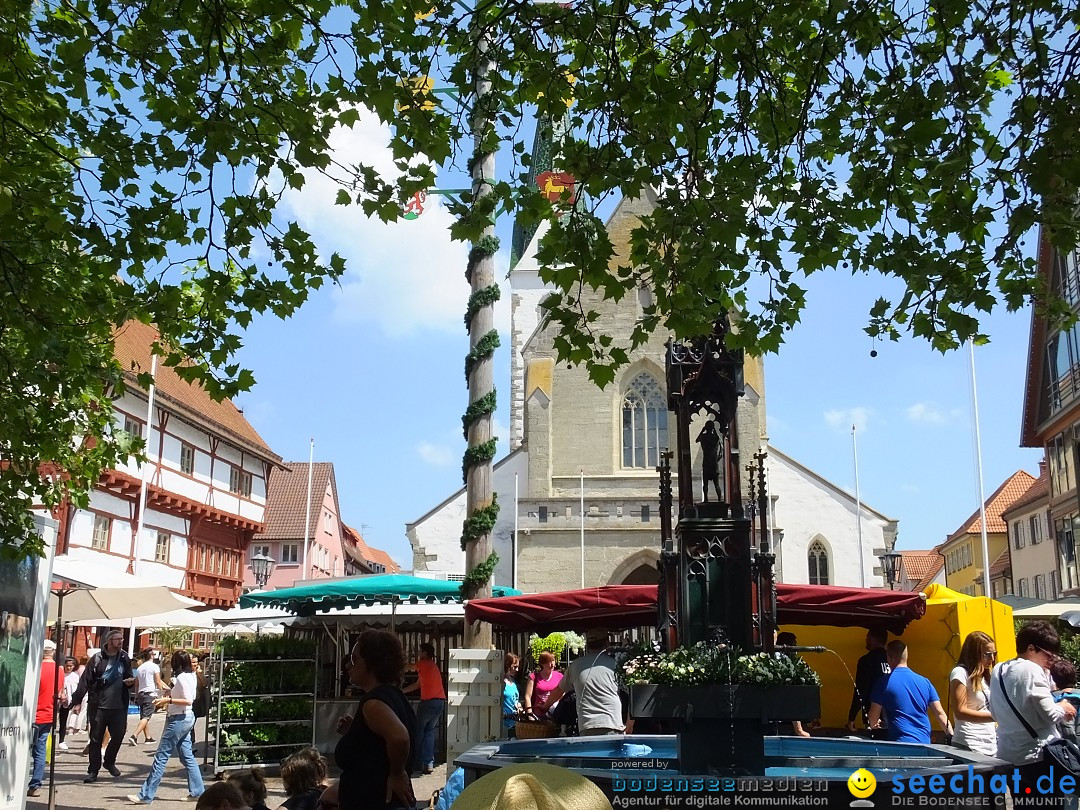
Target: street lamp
262,566
890,564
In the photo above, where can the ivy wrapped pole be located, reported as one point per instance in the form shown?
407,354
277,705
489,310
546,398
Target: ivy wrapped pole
481,508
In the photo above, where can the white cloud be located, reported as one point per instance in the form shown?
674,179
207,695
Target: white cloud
405,276
846,417
930,413
437,455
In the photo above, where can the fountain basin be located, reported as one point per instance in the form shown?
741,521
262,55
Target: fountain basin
800,771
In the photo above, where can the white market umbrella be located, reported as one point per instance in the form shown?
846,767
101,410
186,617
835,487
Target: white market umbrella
86,591
183,617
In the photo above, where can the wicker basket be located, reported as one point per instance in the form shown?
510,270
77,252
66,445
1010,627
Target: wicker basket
534,729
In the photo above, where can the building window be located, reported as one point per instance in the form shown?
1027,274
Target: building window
1018,535
133,426
645,513
817,559
1036,529
161,548
1022,586
102,527
1055,585
1065,540
290,552
187,458
644,423
263,550
1040,586
541,514
240,481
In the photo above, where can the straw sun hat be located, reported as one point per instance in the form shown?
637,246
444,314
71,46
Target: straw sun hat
535,786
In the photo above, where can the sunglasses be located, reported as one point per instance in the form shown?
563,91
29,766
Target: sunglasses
990,655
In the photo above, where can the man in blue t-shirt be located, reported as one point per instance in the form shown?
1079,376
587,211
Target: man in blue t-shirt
905,697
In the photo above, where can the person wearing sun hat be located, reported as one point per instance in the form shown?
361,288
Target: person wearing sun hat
532,786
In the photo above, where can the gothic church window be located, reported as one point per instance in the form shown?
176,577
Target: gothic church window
644,423
817,558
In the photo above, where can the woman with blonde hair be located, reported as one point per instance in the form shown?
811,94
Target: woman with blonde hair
969,693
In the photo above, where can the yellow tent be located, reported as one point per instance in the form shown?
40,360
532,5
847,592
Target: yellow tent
933,641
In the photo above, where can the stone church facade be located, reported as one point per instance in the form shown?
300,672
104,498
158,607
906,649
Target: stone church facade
582,465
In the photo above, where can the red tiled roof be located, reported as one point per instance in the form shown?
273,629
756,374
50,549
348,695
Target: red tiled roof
367,553
932,572
1004,497
286,499
915,564
132,349
1001,564
1036,492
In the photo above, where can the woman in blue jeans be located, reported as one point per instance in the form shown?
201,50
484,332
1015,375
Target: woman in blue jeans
176,737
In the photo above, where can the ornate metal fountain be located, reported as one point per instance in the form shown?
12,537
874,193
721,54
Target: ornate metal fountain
716,570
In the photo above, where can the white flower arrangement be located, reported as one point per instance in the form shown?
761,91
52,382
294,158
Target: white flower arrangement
708,664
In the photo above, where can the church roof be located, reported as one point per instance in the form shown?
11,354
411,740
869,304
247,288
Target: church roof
772,449
930,574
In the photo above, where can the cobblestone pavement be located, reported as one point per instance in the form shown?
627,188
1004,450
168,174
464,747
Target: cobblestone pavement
134,764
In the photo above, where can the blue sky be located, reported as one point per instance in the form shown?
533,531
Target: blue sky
372,370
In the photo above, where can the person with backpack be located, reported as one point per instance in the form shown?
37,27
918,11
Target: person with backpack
107,678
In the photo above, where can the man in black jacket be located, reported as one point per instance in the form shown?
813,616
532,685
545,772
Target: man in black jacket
871,667
106,679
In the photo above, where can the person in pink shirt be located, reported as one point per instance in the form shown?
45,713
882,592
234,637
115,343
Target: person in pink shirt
540,686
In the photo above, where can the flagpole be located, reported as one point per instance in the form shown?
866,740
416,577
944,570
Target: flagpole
858,509
143,469
514,551
307,516
979,474
583,528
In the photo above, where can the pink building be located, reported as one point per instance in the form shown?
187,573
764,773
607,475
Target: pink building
317,556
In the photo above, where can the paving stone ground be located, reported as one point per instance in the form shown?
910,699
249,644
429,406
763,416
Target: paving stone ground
134,764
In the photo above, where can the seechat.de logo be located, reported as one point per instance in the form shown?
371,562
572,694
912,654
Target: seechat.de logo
862,785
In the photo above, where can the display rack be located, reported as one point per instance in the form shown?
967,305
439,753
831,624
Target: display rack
263,701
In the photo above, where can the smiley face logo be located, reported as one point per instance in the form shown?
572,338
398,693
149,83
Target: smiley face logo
862,783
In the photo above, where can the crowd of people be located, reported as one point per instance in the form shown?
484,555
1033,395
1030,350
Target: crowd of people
1009,710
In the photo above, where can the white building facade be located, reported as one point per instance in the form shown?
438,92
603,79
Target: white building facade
203,484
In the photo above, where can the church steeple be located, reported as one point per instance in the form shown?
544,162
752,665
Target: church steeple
549,133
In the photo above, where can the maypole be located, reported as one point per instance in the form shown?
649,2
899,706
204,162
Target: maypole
481,507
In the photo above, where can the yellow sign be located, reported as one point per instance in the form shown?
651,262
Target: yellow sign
420,87
862,784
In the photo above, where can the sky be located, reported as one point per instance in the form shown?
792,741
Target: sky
372,371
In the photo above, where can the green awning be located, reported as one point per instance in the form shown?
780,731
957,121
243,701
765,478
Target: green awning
376,589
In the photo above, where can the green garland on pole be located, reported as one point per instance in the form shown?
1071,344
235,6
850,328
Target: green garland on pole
480,299
475,579
484,348
484,405
481,521
477,454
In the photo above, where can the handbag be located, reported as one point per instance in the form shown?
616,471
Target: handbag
1062,753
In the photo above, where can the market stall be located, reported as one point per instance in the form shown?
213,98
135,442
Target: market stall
334,612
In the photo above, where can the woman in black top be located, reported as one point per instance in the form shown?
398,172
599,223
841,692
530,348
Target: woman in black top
376,751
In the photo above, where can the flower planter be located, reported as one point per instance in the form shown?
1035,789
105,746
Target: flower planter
726,702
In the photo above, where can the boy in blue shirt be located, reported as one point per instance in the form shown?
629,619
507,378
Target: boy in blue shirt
905,697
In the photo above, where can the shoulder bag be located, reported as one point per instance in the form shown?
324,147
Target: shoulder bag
1061,753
